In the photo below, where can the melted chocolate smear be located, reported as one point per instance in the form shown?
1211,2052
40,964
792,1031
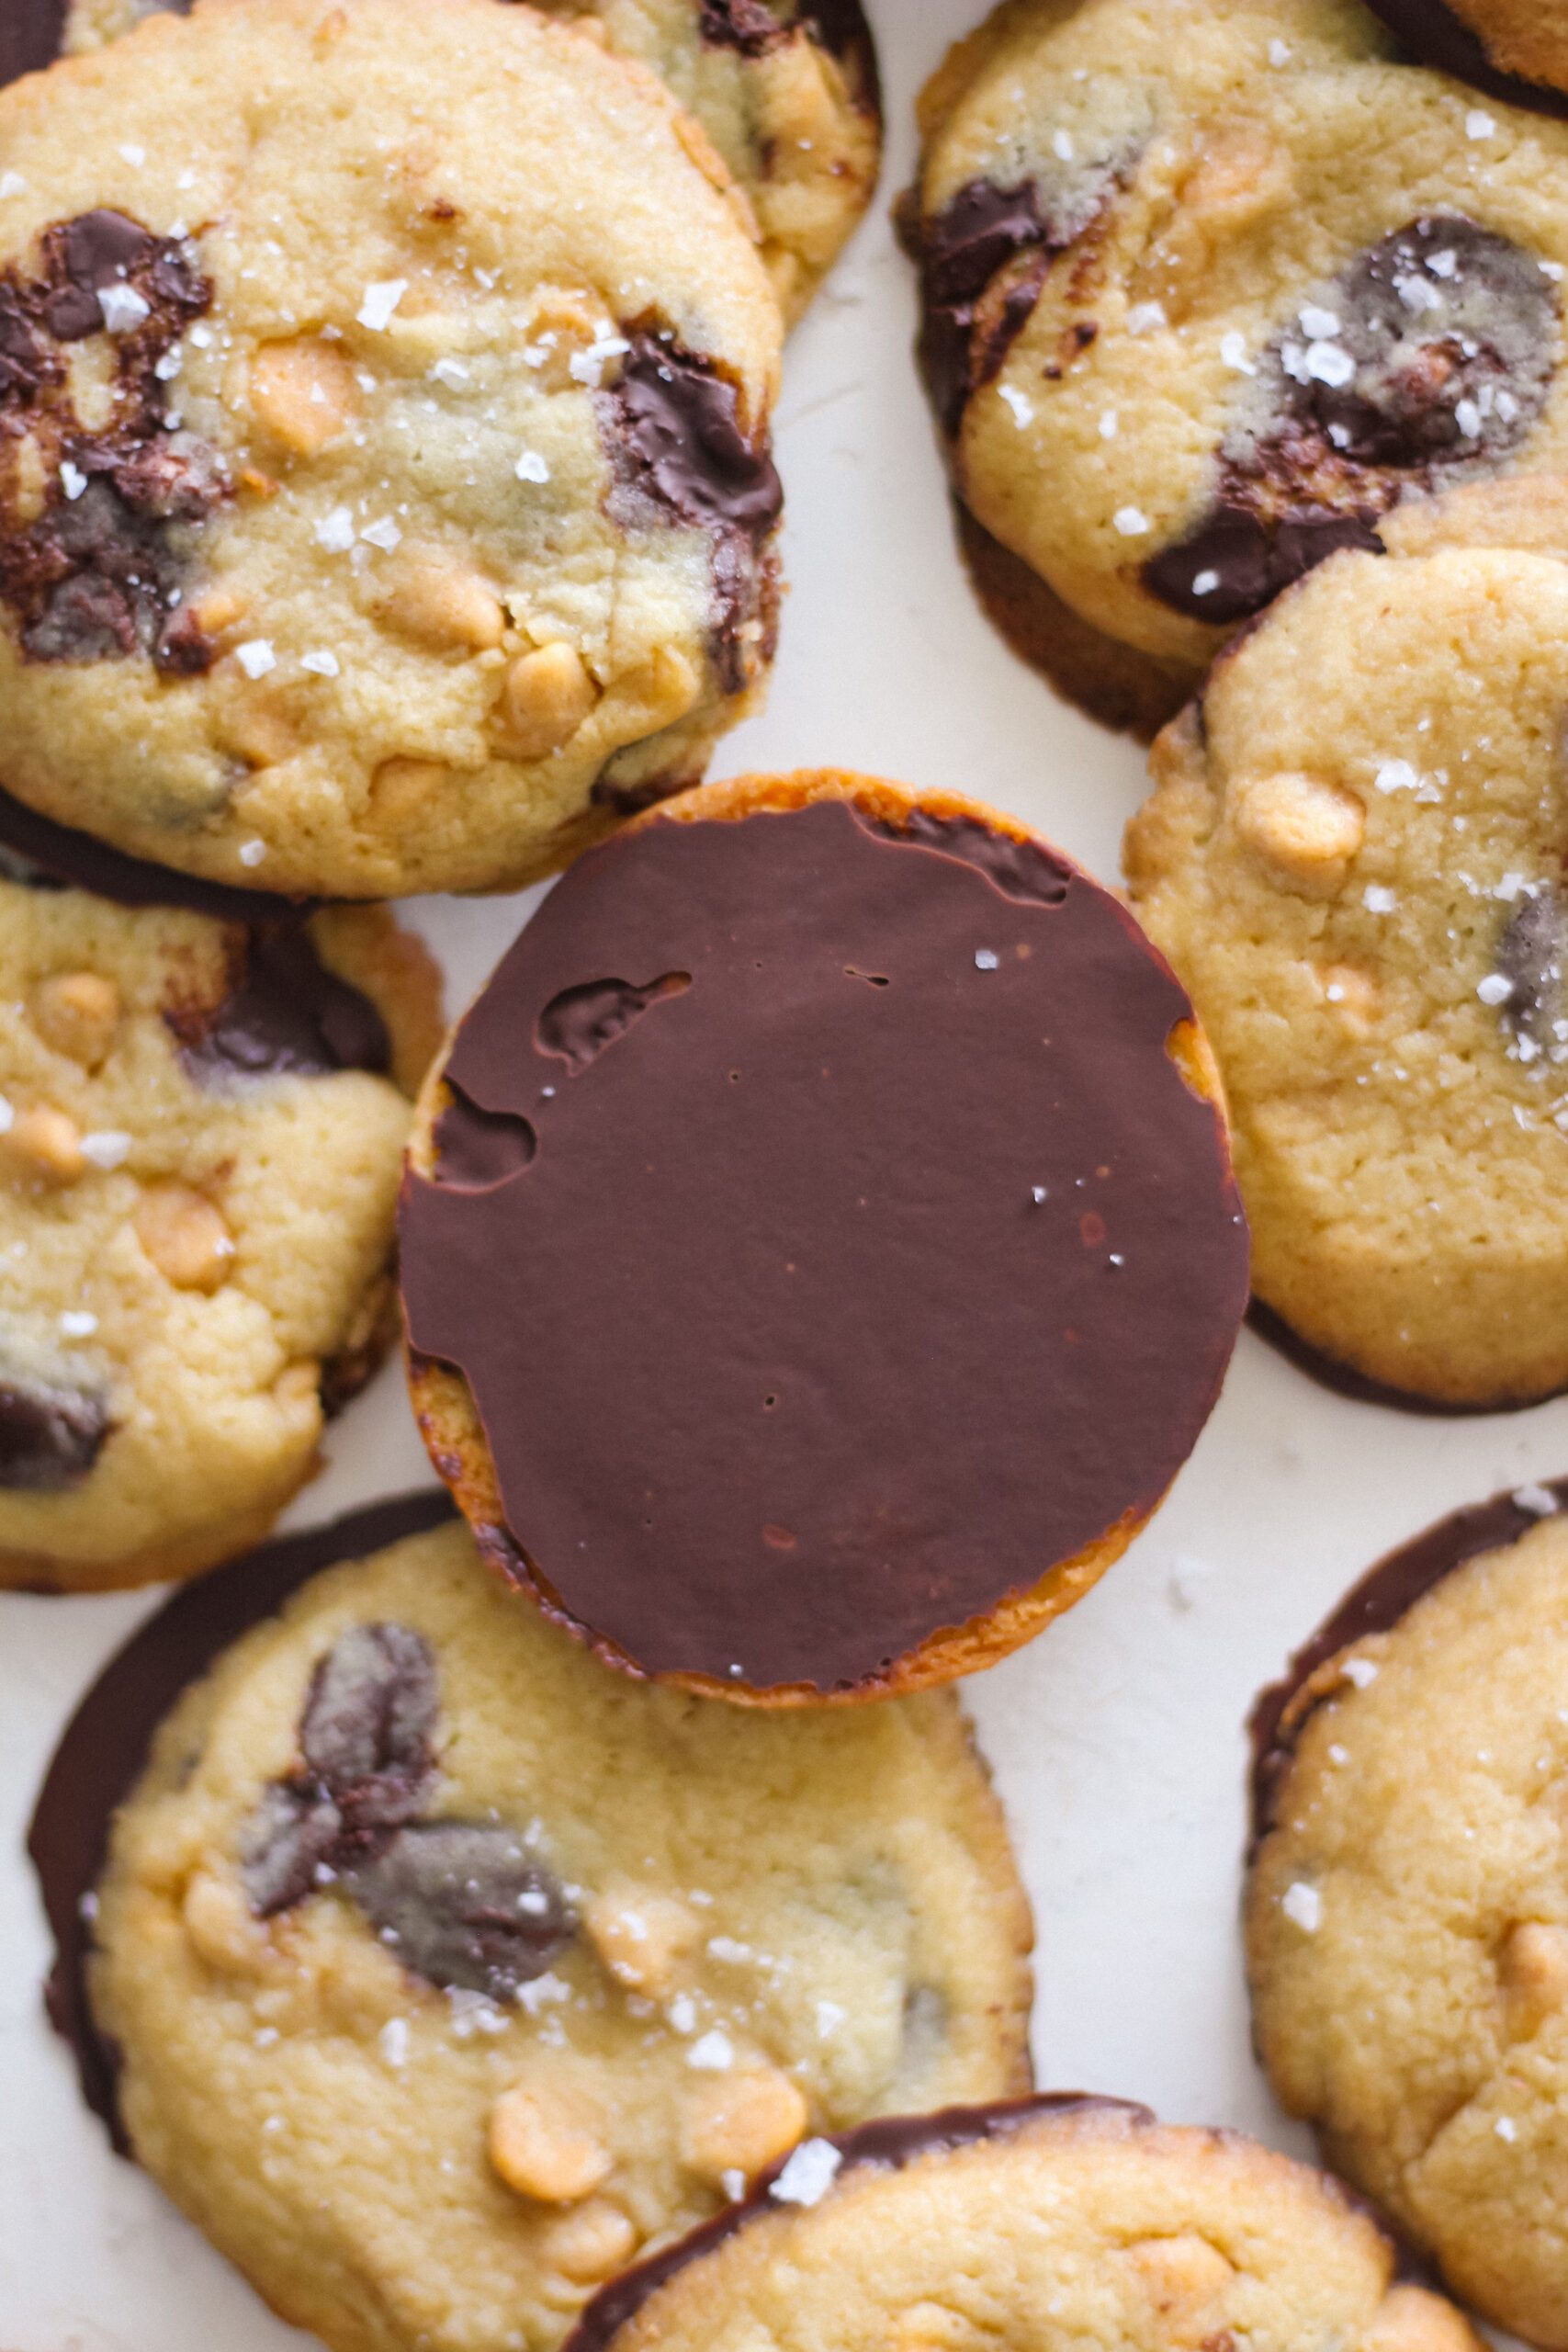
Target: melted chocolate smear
50,1436
104,1749
745,25
672,428
841,1181
100,574
1530,957
1431,31
57,856
285,1015
890,2144
476,1149
463,1904
1448,332
578,1024
1375,1605
30,35
980,231
1019,869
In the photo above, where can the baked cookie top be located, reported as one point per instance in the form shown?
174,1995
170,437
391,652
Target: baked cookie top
787,93
1053,2221
827,1208
1212,285
201,1125
1352,856
1406,1920
374,518
508,1967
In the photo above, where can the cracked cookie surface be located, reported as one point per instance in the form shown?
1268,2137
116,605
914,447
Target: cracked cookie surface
201,1125
510,1969
372,520
787,92
1352,858
1210,290
1406,1925
1064,2219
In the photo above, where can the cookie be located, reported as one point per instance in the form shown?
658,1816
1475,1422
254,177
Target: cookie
1406,1924
384,511
787,94
819,1251
1054,2220
1209,290
1513,50
202,1118
1352,858
506,1968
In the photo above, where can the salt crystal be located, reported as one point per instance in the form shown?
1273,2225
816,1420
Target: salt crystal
72,480
986,959
393,2041
255,657
531,467
1131,521
380,303
1540,1501
1022,409
1362,1671
252,852
1494,988
77,1324
1506,2128
1205,582
1062,145
1397,775
1478,124
335,531
321,663
809,2174
1302,1906
1377,900
1144,317
109,1148
1318,325
713,2054
384,534
123,308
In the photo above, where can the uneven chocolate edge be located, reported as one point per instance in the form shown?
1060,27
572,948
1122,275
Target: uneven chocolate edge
104,1749
890,2144
1385,1594
1343,1381
844,30
82,862
30,35
1430,31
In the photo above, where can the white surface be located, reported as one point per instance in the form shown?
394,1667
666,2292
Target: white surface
1117,1738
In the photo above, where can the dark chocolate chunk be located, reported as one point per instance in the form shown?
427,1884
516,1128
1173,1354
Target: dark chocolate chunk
1431,32
746,25
780,1186
285,1015
1530,957
30,35
104,1749
671,427
1376,1604
887,2144
476,1148
50,1436
463,1904
1437,366
57,856
99,574
578,1024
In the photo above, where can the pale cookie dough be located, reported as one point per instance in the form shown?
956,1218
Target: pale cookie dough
1212,285
787,92
449,1972
201,1128
1407,1912
389,504
1056,2222
1353,858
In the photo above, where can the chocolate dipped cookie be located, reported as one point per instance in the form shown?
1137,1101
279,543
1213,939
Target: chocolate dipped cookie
383,510
819,1251
1512,49
1062,2219
787,94
1210,288
204,1099
1352,857
437,1974
1406,1925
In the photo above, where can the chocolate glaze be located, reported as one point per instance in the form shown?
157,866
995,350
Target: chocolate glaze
1431,31
888,2143
1374,1605
71,858
285,1015
104,1747
1435,316
781,1366
671,424
30,35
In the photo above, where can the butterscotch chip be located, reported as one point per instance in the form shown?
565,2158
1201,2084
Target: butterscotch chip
540,2150
45,1144
303,393
740,2123
185,1237
76,1013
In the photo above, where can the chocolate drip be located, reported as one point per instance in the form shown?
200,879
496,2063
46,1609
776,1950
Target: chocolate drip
1431,32
69,858
888,2144
828,1315
104,1749
1373,1606
285,1015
